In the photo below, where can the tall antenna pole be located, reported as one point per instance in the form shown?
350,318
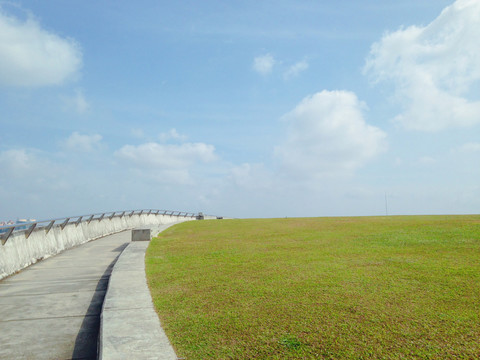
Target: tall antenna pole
386,204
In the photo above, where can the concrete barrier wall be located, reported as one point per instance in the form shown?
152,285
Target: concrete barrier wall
20,252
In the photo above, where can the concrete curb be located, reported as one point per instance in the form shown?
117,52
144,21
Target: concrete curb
129,325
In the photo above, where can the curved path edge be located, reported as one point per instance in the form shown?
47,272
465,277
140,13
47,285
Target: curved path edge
129,326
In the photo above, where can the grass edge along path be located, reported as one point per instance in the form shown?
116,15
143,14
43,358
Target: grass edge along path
320,288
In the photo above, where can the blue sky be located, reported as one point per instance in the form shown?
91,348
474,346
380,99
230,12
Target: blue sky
241,109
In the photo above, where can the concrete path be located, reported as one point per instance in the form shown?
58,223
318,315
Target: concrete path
51,310
130,328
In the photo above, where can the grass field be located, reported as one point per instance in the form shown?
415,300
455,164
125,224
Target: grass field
320,288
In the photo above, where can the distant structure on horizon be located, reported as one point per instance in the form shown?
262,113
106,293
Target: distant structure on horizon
19,221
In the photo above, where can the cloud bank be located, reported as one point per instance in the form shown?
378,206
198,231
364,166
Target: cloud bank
328,136
167,162
434,69
31,56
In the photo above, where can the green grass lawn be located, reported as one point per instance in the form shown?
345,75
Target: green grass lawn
320,288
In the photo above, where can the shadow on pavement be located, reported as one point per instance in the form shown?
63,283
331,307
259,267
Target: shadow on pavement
86,343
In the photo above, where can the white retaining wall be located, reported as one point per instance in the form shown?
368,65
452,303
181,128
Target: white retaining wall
19,252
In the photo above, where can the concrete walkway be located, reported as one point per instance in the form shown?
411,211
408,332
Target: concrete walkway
51,310
130,328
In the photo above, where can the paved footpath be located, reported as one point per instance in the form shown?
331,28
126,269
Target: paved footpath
51,310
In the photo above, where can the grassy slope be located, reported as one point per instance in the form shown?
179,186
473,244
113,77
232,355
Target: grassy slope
309,288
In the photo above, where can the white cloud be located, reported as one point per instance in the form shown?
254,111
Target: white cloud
138,133
328,136
30,172
252,176
77,102
82,143
433,69
17,162
172,134
80,103
31,56
264,64
470,148
296,69
426,160
167,162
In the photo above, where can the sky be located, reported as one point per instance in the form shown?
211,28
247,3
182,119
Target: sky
239,108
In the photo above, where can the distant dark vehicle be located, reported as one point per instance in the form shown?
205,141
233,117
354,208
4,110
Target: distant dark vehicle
200,216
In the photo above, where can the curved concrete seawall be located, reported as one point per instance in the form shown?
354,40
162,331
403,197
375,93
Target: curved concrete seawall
19,251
